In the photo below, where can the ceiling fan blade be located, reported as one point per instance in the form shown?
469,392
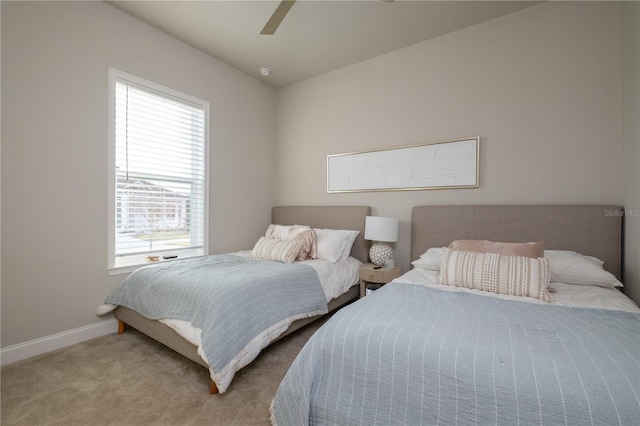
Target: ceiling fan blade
276,19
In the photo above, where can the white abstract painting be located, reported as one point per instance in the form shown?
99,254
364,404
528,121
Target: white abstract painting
452,164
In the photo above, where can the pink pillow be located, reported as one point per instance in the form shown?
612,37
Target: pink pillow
534,250
309,247
299,233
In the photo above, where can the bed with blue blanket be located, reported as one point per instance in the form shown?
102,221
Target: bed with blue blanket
222,310
417,352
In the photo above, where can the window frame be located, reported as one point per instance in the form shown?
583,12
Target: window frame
120,265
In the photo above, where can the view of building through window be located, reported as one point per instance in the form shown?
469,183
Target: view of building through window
160,169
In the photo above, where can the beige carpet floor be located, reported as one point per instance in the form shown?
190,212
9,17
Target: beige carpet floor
133,380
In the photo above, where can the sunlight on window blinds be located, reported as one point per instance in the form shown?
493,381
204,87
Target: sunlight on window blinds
160,171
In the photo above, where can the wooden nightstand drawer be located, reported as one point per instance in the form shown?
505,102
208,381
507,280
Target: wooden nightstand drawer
373,276
378,276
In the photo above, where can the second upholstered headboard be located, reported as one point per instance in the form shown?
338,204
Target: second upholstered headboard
329,217
593,230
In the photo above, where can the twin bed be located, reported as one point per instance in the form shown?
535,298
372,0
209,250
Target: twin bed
418,352
232,330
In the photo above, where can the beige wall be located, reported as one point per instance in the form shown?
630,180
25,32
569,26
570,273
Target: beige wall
541,87
55,58
631,145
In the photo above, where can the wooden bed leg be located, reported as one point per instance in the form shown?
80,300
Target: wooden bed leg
214,388
121,327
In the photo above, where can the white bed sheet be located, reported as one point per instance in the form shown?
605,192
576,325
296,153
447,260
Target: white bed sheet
580,296
589,296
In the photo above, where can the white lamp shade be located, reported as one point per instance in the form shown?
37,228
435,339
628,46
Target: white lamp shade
383,229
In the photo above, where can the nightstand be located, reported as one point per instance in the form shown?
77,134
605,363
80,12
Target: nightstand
381,276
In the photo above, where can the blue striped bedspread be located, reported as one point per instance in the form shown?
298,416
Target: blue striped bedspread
413,355
235,301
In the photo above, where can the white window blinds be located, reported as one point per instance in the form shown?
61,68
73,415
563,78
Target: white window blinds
160,172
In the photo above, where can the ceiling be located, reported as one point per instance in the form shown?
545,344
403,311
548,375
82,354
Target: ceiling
316,36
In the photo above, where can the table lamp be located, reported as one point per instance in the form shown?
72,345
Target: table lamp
381,230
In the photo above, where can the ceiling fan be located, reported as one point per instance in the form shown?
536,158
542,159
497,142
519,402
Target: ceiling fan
278,16
276,19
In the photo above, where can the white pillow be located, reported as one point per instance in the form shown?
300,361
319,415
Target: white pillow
332,243
430,260
350,238
575,268
564,267
277,250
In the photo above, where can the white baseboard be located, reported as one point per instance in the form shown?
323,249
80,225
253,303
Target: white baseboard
46,344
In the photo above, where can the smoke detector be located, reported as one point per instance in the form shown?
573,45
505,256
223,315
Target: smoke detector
265,72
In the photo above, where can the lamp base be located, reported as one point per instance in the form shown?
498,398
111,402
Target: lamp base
379,252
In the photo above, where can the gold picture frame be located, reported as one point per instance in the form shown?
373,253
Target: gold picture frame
453,164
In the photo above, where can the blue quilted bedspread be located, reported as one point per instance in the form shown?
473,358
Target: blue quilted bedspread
234,300
413,355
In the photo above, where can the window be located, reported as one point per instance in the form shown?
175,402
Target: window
158,163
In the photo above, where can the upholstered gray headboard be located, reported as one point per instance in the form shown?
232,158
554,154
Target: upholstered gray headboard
328,217
593,230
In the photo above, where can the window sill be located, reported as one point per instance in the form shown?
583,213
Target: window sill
130,264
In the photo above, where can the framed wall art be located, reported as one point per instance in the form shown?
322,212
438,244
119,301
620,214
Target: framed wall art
437,165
